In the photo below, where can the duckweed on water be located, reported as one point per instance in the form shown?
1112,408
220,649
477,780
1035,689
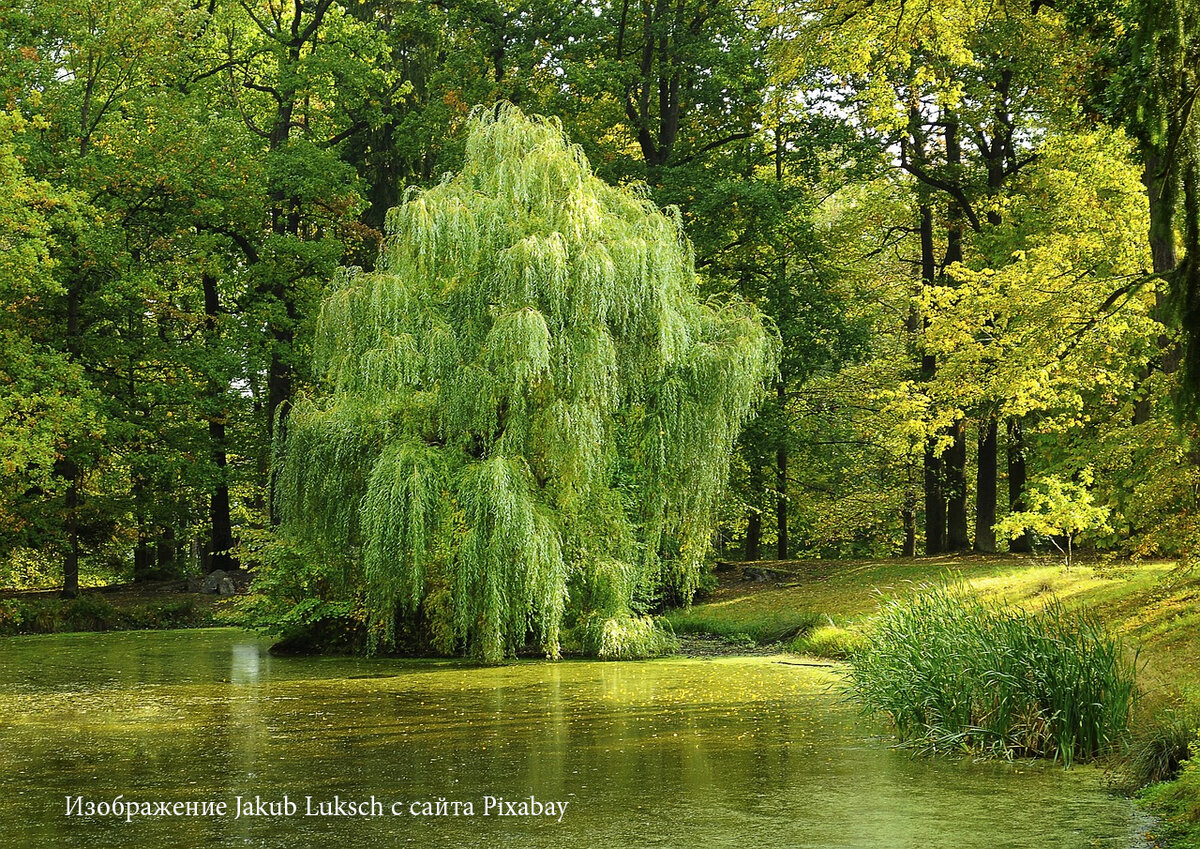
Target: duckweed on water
953,672
675,754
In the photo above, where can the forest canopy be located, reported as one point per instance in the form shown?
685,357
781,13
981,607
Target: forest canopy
249,324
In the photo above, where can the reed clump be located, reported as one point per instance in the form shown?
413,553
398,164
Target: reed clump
1160,746
953,672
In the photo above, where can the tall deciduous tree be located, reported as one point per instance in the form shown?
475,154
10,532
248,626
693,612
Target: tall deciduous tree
49,418
969,92
305,78
1145,79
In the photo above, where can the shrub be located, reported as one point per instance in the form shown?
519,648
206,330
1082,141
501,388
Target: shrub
762,628
29,568
88,612
11,617
952,672
744,641
1059,509
626,637
94,612
828,640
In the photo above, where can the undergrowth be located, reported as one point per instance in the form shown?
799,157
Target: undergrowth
94,612
762,629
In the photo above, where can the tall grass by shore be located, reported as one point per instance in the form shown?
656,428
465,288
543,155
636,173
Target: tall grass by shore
953,672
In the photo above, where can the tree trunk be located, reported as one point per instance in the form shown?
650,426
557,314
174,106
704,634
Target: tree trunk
908,518
781,504
955,460
279,395
71,561
781,484
935,499
932,477
285,221
986,472
985,488
69,469
143,558
1162,250
1187,292
781,450
908,512
1161,193
957,535
935,505
221,555
167,550
220,523
1016,481
753,547
144,547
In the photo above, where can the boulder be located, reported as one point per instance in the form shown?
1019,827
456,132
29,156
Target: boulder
212,583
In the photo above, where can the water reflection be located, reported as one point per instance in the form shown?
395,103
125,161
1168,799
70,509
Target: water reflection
246,658
672,753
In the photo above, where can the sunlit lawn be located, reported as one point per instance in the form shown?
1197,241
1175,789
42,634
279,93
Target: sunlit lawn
1154,604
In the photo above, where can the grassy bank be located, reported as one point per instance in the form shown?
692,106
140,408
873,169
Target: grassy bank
1154,606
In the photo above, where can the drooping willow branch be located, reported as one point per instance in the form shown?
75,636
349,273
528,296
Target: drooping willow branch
527,412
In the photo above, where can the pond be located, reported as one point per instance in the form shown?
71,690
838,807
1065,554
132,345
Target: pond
732,752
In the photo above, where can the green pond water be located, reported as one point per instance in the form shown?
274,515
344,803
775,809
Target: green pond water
748,752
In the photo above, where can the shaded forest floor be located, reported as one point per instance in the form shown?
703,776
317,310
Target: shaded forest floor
1155,605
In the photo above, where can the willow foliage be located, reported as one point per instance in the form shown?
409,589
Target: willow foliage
527,411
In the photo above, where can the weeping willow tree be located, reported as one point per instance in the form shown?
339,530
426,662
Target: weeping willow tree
527,413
